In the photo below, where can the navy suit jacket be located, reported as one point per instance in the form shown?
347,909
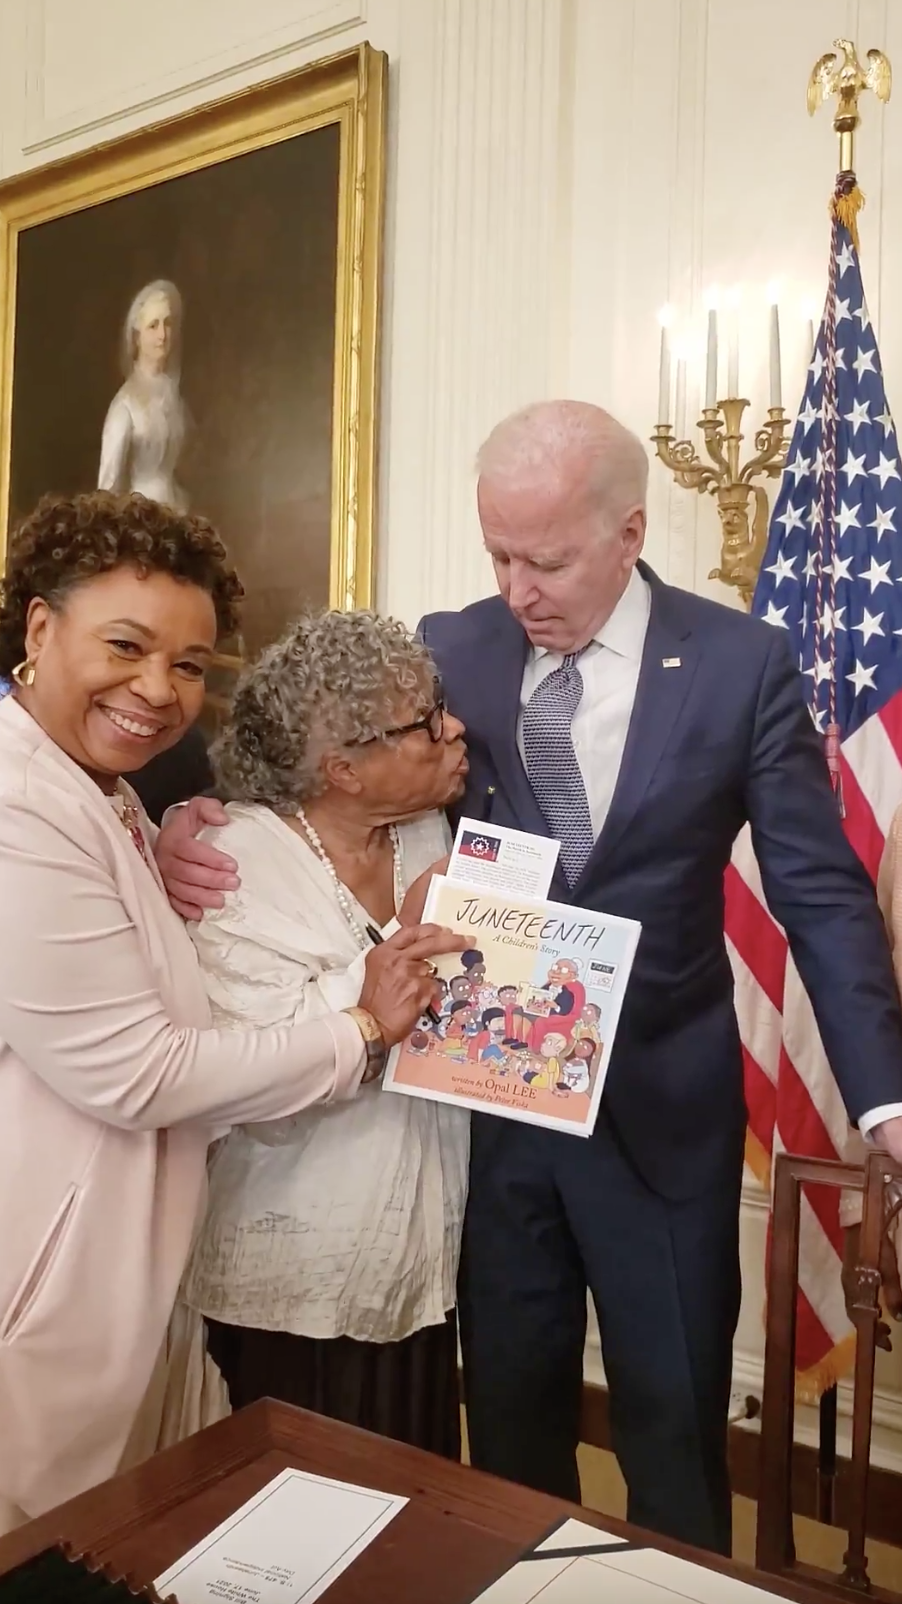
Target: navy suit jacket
719,737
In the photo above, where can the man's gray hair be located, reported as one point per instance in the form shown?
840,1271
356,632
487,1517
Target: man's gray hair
570,441
334,679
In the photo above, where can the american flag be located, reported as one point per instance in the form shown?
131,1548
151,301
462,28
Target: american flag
831,577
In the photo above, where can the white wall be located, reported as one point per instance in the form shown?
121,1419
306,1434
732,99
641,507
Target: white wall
559,169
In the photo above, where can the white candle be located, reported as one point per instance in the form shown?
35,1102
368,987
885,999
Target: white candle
680,407
733,300
733,356
664,374
711,373
776,388
809,313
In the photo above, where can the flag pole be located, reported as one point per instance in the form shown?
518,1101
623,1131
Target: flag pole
832,581
847,81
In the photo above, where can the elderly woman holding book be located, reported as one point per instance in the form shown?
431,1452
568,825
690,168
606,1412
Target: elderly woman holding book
326,1267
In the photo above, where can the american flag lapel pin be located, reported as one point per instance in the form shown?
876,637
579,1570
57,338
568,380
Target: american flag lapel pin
671,662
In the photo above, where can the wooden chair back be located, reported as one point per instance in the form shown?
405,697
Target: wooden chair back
878,1181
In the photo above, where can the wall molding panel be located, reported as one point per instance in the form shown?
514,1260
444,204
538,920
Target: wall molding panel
194,53
473,280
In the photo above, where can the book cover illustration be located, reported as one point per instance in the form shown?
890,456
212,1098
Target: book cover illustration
528,1013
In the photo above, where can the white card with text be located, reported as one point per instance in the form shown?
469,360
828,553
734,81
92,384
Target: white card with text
490,857
286,1546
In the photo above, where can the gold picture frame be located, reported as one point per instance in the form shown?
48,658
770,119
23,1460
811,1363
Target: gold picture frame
345,94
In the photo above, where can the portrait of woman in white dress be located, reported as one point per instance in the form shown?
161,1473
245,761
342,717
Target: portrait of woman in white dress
145,426
207,356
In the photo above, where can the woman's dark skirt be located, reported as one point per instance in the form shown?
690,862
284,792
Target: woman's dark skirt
407,1390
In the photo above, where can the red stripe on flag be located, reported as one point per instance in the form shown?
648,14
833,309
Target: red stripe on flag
824,1202
791,1108
813,1343
803,1131
760,1100
801,1126
759,942
890,717
861,827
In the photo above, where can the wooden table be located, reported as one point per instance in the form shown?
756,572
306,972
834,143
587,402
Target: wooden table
459,1532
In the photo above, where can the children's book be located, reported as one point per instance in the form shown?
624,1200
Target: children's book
528,1012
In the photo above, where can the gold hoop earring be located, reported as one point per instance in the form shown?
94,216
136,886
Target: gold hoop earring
23,674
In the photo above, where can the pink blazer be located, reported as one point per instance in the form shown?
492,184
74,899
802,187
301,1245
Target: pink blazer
112,1085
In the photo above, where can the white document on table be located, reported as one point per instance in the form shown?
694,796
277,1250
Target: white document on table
286,1546
578,1564
490,857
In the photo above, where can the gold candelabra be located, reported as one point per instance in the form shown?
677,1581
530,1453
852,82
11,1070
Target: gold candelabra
742,504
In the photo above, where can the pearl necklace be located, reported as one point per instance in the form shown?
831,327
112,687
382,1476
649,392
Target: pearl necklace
341,896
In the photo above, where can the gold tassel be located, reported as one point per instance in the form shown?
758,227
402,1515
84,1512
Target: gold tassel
812,1384
845,208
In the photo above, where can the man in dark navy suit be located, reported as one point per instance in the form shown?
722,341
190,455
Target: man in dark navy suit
644,727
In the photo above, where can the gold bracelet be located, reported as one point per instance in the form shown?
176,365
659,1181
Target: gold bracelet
373,1040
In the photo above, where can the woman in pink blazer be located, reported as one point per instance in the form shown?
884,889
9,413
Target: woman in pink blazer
112,1082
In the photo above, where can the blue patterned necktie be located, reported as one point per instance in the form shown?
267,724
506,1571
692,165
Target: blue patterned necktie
552,767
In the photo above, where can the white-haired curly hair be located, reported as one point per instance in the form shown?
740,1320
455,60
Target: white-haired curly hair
332,681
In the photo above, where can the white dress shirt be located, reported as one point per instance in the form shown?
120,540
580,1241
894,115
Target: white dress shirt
610,671
338,1222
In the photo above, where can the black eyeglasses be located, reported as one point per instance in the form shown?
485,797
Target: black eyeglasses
433,722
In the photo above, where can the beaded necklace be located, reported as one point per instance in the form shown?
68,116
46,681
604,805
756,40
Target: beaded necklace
341,896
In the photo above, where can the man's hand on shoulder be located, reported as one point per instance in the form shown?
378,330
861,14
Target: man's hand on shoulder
196,876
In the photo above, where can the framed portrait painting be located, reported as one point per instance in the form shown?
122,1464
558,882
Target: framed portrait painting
193,312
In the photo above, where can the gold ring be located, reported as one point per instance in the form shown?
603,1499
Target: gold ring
430,969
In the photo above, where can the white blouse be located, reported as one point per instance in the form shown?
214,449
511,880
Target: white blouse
342,1221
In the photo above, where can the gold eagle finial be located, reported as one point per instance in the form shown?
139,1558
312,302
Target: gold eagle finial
846,80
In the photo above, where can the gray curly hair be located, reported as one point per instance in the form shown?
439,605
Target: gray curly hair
334,679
